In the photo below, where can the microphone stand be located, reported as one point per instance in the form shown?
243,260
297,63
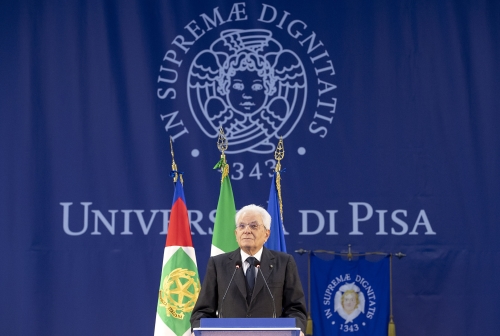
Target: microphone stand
257,265
237,266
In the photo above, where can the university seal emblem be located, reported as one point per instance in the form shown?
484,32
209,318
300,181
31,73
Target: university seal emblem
247,83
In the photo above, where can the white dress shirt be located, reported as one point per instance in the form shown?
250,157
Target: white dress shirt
244,257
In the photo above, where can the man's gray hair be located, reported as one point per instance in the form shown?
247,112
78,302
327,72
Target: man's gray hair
252,208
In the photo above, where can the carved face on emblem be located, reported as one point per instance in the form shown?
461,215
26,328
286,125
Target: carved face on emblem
246,92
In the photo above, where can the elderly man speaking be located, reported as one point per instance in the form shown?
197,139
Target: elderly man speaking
247,295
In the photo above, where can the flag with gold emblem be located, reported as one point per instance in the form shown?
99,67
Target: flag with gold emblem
180,283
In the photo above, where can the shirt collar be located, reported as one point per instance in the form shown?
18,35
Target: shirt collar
257,255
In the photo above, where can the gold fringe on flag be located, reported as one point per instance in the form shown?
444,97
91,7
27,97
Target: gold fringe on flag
309,326
174,165
392,328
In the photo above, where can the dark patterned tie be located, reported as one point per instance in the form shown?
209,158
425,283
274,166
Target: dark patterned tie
250,278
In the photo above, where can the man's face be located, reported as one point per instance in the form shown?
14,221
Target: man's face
251,239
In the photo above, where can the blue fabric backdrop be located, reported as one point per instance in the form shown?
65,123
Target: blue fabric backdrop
389,112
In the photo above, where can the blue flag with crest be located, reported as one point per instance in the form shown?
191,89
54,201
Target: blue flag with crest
350,297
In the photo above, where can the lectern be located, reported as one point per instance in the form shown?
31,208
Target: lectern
247,327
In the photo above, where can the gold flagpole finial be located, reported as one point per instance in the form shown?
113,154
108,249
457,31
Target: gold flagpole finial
174,165
222,146
222,141
279,154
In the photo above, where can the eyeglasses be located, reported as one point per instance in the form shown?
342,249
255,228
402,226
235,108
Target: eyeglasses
253,226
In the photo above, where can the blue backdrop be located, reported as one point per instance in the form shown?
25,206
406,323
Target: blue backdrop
390,117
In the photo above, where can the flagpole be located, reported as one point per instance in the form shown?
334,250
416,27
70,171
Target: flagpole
392,326
309,325
351,254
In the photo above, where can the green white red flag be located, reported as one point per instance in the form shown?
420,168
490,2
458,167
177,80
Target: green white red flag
180,282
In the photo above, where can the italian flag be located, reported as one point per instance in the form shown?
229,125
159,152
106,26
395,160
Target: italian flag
180,283
223,238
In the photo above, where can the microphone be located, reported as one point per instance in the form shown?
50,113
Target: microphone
257,265
236,267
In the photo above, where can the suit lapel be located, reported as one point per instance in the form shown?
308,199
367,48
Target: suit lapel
239,276
266,267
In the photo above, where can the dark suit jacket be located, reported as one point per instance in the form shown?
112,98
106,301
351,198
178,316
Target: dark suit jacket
281,274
